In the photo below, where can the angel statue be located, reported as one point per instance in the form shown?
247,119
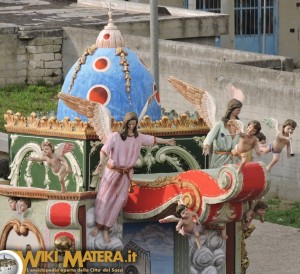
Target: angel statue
187,223
282,138
222,135
56,160
122,150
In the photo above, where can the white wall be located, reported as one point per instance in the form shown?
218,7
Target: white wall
289,29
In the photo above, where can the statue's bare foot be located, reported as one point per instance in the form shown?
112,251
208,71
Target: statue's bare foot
95,231
106,235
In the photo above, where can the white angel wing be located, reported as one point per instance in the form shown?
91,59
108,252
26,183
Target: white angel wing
101,121
144,110
98,115
272,123
203,100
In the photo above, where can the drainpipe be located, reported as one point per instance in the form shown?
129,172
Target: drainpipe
154,41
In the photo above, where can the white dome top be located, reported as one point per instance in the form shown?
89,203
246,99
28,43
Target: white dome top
110,36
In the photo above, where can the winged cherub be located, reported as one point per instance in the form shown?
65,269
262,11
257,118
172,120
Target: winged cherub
56,161
282,139
247,142
122,150
187,223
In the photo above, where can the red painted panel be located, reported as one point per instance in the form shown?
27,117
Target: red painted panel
60,214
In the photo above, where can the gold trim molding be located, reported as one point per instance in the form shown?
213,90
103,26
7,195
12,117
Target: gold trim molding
78,129
38,193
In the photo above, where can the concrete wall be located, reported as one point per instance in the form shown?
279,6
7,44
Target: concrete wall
13,66
173,3
181,24
33,54
30,58
268,93
289,29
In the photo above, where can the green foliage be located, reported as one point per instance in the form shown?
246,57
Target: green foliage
283,213
27,99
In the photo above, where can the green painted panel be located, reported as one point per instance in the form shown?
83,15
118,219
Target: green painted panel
187,154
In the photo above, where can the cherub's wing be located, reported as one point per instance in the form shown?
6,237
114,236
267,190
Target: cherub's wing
272,123
98,115
63,148
202,99
68,147
239,125
169,219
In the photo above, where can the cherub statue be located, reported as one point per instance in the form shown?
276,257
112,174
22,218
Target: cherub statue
247,142
122,150
56,161
257,209
188,223
283,138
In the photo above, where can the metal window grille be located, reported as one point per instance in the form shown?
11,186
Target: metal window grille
248,15
249,19
209,5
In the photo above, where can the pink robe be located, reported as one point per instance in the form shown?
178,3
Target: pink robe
113,191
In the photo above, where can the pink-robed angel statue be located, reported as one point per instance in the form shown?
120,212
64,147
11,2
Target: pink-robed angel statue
122,150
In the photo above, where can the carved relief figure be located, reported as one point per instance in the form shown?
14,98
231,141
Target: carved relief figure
57,163
12,202
23,207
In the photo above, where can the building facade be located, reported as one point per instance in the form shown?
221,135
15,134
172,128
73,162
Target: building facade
261,26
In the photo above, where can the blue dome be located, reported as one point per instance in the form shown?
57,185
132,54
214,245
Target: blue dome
102,78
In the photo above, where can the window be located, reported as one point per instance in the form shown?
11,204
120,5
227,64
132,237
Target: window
209,5
247,17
